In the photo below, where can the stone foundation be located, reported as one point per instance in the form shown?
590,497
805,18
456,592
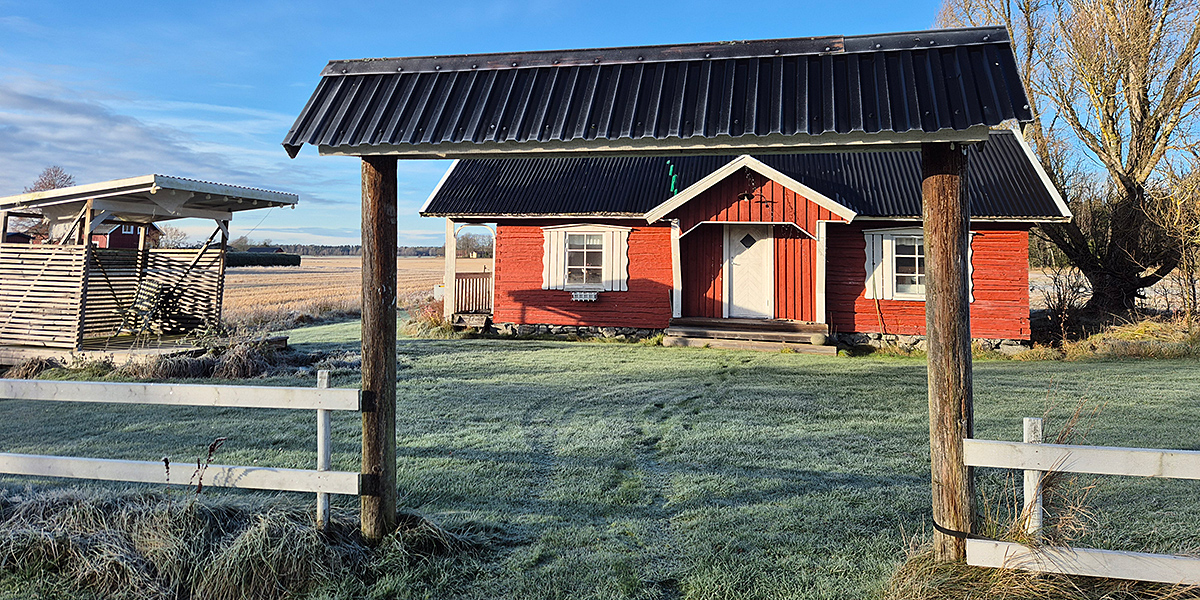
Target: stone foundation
917,342
567,331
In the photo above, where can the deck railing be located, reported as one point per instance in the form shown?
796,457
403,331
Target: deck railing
473,293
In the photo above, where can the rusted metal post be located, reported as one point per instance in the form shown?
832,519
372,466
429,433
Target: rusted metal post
947,218
378,517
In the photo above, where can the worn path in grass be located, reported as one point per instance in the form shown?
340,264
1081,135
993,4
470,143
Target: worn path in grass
617,470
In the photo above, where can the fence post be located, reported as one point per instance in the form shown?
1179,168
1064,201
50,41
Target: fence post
324,452
1033,481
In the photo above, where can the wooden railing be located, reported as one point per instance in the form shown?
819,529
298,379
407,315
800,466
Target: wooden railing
322,399
473,293
1036,459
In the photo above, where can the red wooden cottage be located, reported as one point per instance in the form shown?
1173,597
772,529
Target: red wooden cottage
765,248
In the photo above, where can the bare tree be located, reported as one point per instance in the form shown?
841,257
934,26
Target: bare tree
1115,83
172,237
1175,209
474,245
51,178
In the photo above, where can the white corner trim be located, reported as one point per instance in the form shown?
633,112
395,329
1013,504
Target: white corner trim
761,168
819,272
439,185
676,273
1041,171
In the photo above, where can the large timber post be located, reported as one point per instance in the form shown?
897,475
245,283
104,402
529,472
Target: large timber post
378,505
947,216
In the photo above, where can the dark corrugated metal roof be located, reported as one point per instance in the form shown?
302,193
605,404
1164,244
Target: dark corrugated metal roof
1001,182
904,87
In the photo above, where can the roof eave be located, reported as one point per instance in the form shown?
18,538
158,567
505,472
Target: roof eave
768,144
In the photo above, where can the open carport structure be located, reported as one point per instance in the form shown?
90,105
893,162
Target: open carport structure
63,295
933,90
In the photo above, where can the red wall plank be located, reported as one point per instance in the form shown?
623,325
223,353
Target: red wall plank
521,299
1000,258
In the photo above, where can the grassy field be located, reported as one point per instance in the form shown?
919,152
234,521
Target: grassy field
322,284
626,471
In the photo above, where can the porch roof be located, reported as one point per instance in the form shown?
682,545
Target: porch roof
150,198
1005,183
783,95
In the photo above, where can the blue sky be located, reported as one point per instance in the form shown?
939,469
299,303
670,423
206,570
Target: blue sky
208,89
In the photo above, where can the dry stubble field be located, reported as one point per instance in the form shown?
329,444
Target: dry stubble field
322,285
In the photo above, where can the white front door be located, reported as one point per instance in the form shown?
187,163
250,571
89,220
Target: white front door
750,286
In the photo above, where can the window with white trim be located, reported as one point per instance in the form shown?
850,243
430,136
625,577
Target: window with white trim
895,266
909,267
585,258
129,229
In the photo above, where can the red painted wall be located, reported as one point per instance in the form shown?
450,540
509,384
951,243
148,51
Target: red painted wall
700,258
521,299
701,250
1000,257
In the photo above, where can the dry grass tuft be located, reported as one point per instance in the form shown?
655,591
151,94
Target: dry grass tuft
425,320
920,578
244,360
154,545
31,368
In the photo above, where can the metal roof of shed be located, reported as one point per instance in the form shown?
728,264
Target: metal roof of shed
1004,182
151,198
765,95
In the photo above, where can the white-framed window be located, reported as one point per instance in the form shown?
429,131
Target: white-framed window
895,267
585,258
129,229
909,265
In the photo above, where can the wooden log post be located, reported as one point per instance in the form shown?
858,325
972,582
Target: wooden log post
378,505
946,216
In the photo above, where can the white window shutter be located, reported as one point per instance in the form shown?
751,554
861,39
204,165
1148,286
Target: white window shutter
616,261
875,280
554,259
970,267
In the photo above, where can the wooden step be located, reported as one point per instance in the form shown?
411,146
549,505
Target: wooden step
725,344
735,334
783,325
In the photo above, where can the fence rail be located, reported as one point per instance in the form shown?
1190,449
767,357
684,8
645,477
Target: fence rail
1036,458
473,293
322,399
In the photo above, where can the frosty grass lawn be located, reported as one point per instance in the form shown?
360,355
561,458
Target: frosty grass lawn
617,470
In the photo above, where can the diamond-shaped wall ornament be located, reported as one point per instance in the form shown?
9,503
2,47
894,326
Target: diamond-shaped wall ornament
748,240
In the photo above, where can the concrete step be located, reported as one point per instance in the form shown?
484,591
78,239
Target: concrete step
781,325
742,334
727,344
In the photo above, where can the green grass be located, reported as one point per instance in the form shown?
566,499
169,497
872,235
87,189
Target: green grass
631,471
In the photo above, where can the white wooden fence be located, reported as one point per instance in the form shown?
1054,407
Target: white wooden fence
322,399
1035,459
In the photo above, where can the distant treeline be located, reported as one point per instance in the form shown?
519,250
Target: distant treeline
356,250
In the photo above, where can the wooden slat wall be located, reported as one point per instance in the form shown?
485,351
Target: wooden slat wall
113,288
40,291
